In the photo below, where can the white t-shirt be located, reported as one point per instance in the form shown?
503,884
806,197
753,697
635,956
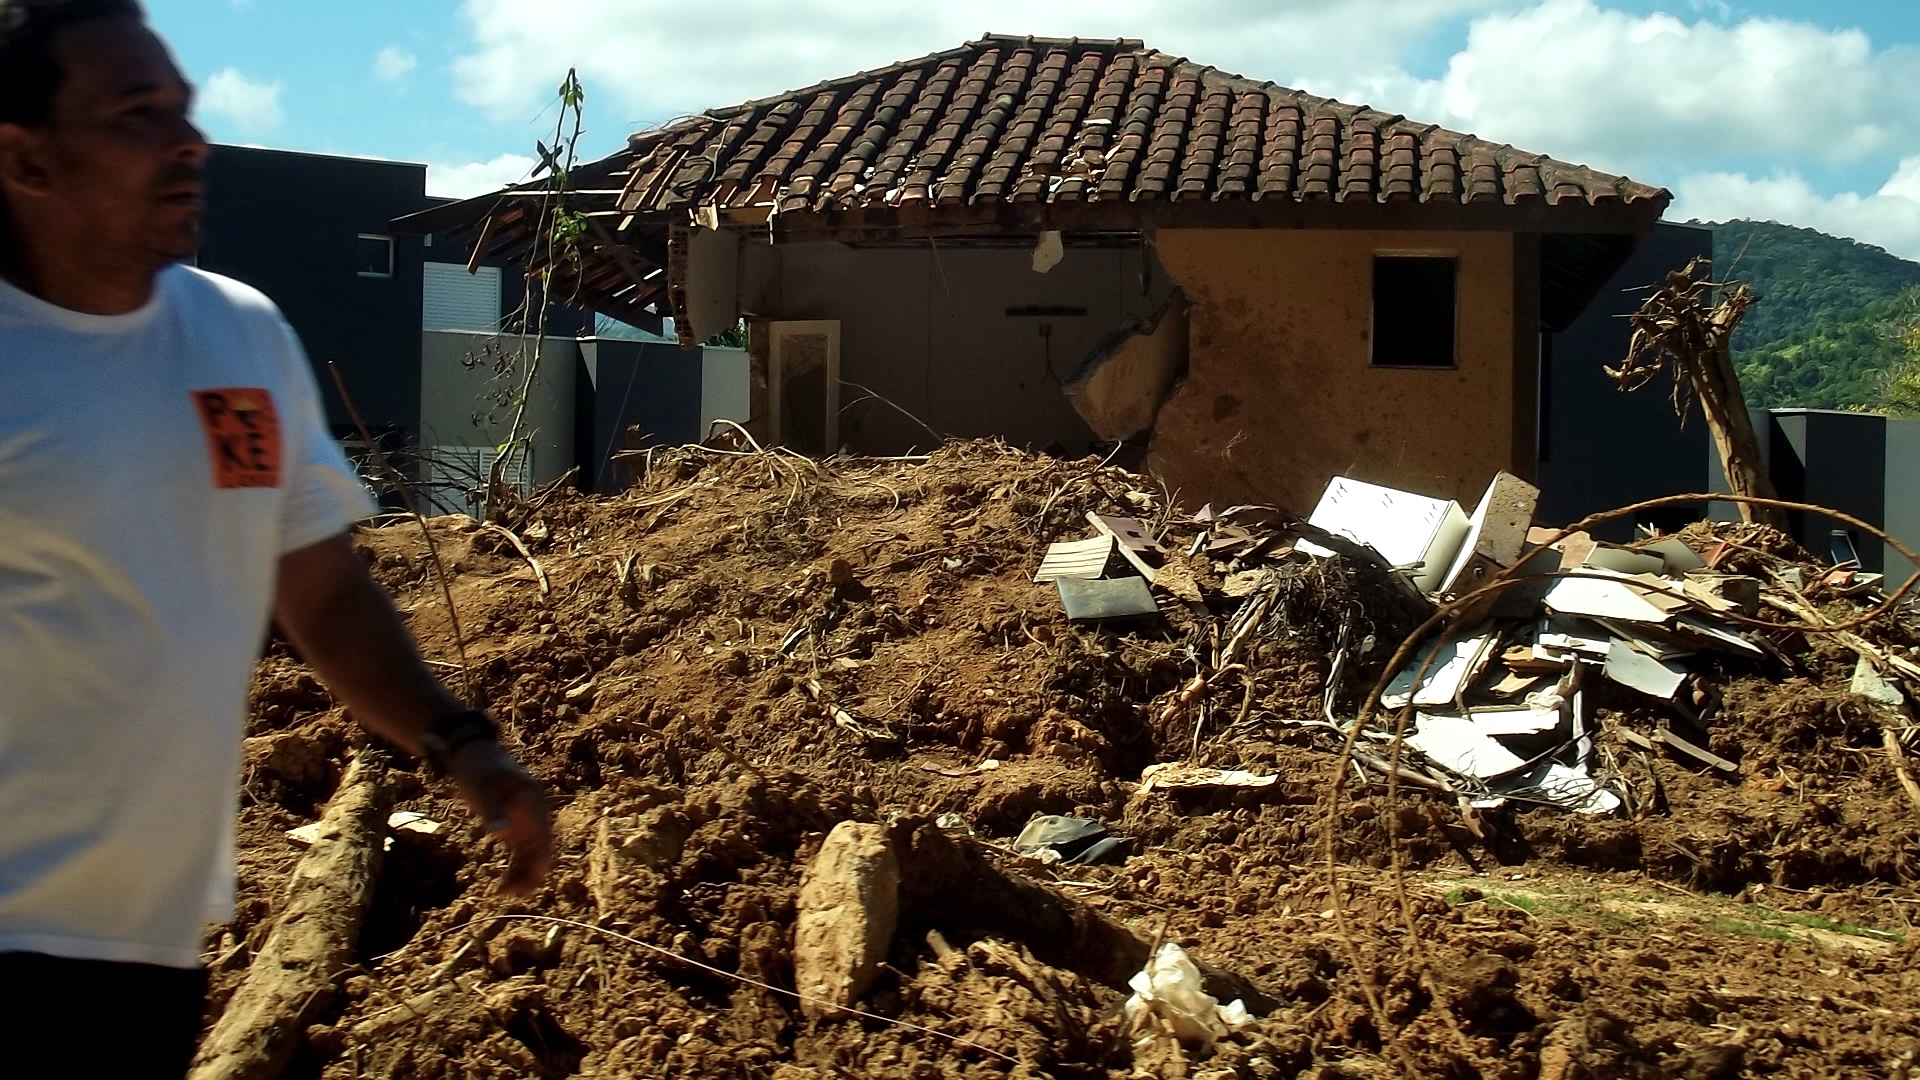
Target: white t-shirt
154,466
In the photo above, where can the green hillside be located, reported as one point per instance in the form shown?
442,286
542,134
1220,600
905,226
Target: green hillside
1821,336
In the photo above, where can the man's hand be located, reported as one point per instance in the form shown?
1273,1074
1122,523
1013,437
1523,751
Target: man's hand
343,624
513,807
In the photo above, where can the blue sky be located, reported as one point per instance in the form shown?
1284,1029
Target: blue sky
1800,111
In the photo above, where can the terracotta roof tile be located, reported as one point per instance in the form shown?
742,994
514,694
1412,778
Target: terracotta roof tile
1039,120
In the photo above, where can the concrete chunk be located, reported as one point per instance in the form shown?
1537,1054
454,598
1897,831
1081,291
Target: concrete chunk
1497,533
1120,389
849,906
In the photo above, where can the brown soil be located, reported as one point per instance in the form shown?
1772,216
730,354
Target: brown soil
685,669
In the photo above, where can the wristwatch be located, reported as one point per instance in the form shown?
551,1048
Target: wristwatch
453,731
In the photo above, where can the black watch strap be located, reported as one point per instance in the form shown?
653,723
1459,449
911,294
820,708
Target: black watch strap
453,731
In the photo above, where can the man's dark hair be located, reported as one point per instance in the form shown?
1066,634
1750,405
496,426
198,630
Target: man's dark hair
29,70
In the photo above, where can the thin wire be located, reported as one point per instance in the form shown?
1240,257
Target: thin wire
909,1025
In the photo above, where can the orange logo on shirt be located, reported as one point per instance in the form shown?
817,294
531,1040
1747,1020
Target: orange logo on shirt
243,435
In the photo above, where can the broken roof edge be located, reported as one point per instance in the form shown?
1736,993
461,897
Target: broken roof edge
458,213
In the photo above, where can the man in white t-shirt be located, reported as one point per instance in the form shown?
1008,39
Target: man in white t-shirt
166,482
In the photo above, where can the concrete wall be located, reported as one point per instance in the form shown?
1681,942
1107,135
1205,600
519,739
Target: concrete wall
1903,495
656,388
1600,448
929,329
1860,463
725,387
1837,460
1280,396
458,383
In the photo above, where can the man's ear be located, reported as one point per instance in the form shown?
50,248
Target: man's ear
23,161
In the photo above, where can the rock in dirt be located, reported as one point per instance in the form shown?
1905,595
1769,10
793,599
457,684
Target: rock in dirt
849,906
1593,1046
623,846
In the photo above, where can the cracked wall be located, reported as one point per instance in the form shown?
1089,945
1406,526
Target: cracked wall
1280,397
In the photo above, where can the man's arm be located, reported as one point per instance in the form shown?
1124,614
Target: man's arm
345,626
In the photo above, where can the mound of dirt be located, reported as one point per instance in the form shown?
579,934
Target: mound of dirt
714,669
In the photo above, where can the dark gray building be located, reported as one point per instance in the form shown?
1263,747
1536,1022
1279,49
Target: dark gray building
1601,448
311,231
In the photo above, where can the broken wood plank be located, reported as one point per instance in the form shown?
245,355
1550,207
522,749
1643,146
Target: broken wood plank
1634,738
1128,536
1702,754
1898,756
310,950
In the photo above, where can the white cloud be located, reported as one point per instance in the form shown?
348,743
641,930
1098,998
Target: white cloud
1642,94
250,107
1889,218
394,63
1734,113
657,59
477,177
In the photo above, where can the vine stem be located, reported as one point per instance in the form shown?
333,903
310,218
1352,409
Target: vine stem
433,548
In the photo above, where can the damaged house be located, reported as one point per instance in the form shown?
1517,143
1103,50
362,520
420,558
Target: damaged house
1065,243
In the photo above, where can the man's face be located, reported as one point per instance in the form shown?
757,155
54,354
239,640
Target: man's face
118,165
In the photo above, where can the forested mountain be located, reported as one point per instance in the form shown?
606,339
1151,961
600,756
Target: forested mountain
1822,334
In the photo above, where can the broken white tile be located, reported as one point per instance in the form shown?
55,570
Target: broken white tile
1570,635
1406,529
1578,791
1451,671
1636,670
1174,774
1509,720
1870,685
1657,647
1602,594
1080,559
1693,624
1622,561
1456,743
1679,558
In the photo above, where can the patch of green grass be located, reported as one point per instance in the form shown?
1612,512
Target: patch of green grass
1759,930
1820,922
1532,905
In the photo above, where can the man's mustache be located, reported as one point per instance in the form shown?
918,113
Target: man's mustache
183,173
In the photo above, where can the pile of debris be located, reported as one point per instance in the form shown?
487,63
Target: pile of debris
1525,628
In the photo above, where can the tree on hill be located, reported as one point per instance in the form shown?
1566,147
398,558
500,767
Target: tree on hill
1819,337
1900,386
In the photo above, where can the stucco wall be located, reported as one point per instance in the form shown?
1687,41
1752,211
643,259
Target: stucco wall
452,393
1280,397
928,328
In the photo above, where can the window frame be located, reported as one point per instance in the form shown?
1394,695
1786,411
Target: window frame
1451,256
374,275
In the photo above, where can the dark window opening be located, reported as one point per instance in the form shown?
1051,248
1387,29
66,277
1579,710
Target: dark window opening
1413,310
373,255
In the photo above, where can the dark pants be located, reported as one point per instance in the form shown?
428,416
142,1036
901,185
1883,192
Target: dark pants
84,1018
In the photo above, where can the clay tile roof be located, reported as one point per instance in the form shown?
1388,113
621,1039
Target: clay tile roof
1021,119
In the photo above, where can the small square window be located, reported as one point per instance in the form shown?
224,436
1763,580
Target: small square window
373,255
1413,310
